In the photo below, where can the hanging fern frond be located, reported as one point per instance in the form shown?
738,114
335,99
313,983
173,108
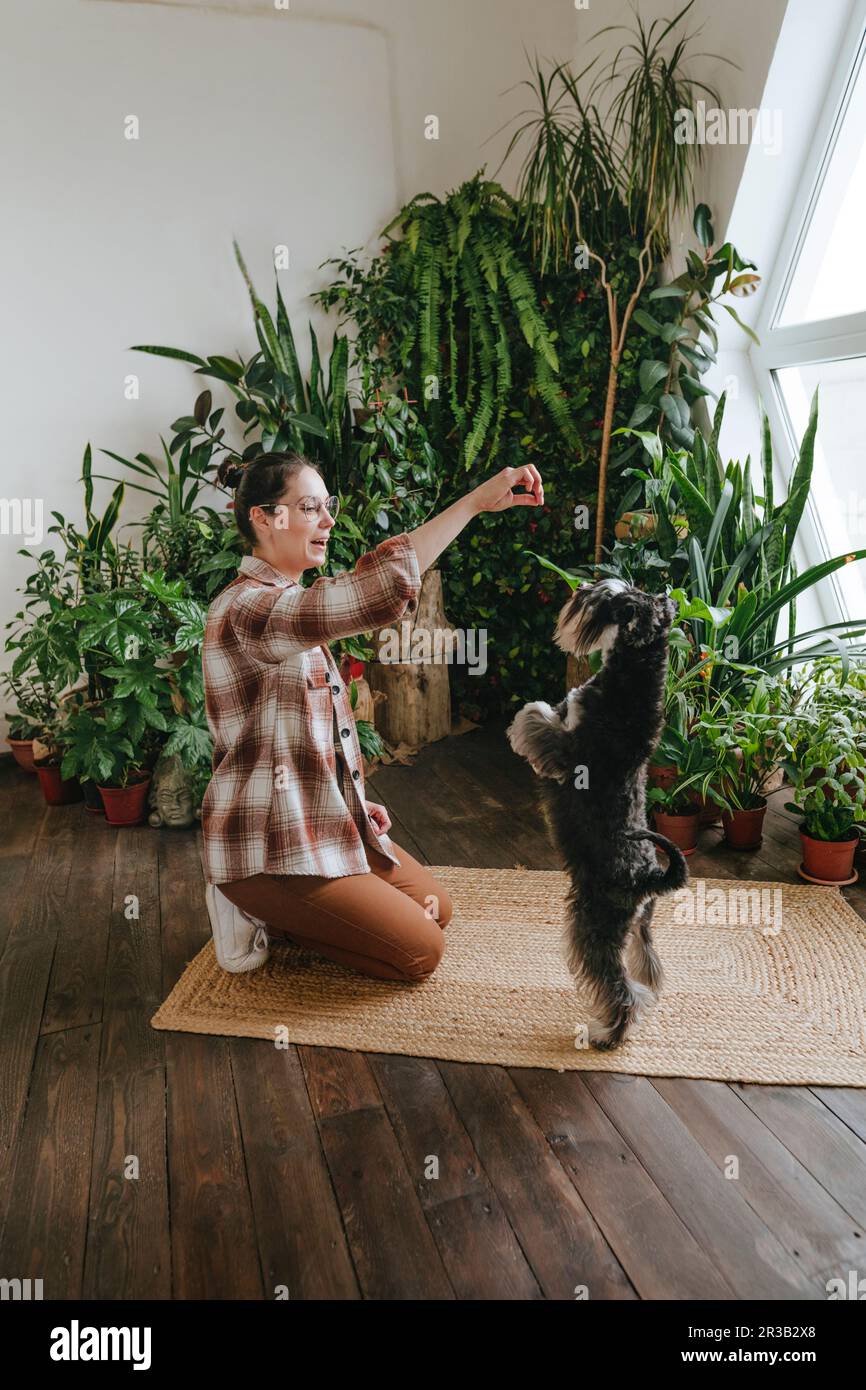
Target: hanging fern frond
475,307
549,389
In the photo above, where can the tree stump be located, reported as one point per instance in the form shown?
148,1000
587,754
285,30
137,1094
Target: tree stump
416,709
576,671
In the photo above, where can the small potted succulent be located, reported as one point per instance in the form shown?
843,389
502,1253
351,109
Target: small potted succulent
830,795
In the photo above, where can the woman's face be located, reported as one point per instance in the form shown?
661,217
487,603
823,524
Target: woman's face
293,536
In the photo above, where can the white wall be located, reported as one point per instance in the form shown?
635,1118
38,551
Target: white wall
303,127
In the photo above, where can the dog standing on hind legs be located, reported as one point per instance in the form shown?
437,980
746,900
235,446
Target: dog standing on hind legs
591,752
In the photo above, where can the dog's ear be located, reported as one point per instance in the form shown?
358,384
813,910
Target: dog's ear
571,623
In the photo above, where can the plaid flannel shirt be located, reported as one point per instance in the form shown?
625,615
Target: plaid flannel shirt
283,799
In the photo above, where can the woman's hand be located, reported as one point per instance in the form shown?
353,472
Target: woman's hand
379,816
496,494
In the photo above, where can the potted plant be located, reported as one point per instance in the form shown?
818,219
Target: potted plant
45,664
677,807
749,742
59,787
676,813
98,749
830,796
25,724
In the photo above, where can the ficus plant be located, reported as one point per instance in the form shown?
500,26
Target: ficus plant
682,324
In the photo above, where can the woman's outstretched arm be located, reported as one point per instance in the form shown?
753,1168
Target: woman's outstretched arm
272,623
496,495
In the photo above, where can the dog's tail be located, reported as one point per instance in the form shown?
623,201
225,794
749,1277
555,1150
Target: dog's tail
676,875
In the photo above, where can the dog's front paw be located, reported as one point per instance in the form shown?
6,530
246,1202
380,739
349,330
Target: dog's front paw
527,722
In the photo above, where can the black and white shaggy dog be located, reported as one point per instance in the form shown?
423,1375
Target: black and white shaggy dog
592,751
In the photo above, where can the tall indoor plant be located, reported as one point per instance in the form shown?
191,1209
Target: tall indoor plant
587,174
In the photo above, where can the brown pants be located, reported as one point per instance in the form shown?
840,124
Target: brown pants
387,923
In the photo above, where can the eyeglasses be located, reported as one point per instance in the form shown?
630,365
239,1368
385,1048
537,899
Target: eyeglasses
310,506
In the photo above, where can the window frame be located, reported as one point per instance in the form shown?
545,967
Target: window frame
822,340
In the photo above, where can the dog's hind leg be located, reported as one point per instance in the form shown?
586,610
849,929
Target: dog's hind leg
615,998
644,963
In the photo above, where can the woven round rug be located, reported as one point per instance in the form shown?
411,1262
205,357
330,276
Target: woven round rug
764,982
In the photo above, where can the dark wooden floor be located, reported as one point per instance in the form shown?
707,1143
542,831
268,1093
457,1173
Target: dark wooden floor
135,1163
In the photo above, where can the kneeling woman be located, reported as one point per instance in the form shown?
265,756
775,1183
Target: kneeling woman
292,846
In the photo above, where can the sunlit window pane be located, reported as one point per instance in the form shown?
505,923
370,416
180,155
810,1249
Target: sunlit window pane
830,275
839,477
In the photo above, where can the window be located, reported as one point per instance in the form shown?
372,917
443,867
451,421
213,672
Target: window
813,328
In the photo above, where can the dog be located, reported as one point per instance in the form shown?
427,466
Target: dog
591,753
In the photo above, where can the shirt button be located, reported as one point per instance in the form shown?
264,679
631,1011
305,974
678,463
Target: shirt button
356,774
344,733
335,689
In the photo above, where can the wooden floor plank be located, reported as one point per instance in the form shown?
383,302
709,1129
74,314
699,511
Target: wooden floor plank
128,1249
22,810
25,969
657,1251
46,1229
77,983
846,1103
558,1234
823,1143
302,1245
213,1238
392,1248
754,1263
479,1250
811,1225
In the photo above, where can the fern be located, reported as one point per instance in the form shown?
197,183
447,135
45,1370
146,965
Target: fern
463,260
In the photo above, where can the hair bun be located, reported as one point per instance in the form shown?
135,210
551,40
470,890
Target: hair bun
230,472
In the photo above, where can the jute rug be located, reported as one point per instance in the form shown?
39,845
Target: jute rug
764,982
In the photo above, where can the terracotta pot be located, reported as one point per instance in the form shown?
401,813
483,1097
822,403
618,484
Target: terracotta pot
55,790
744,829
632,526
683,830
126,805
661,775
830,860
22,752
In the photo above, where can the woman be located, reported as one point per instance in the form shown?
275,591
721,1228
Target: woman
292,846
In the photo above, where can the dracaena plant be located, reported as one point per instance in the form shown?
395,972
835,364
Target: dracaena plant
735,575
585,170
